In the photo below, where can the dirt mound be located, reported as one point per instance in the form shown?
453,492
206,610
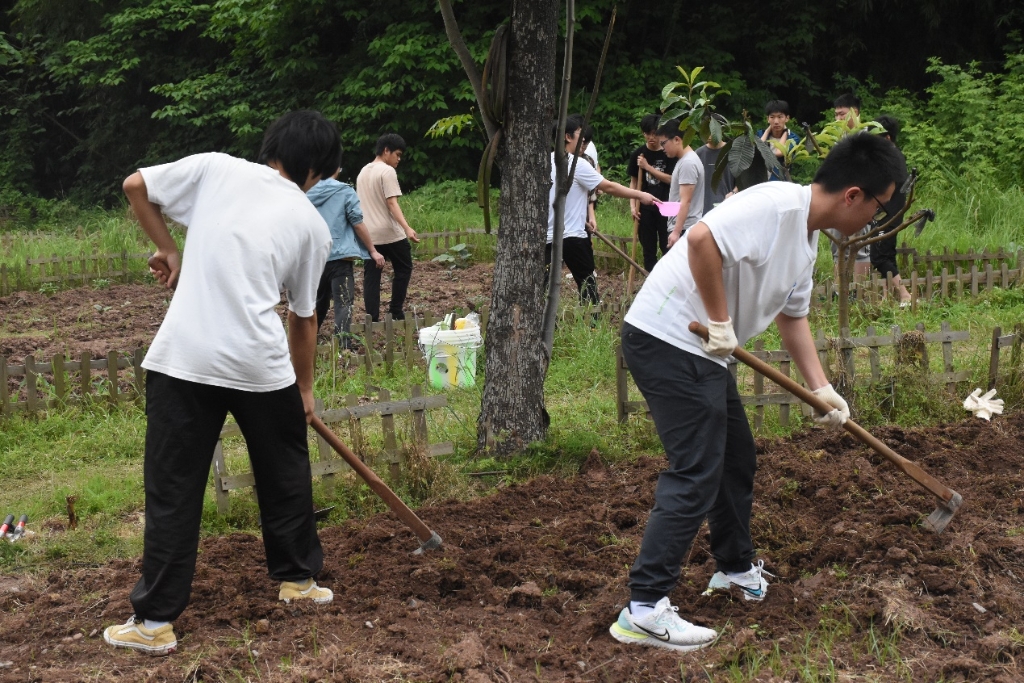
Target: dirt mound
529,579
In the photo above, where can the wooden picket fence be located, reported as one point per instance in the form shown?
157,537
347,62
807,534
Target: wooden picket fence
837,357
33,386
912,260
432,244
71,271
329,463
1002,341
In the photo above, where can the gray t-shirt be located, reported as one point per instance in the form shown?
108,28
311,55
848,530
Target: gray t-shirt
689,170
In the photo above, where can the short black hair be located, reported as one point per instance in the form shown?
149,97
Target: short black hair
302,141
588,133
777,107
391,142
670,129
890,125
862,160
573,122
847,100
649,123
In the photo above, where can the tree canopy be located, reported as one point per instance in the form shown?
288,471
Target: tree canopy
90,90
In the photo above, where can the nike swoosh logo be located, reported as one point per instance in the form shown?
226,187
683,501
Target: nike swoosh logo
756,593
660,636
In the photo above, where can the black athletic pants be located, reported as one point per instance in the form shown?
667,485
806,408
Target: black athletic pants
711,463
883,256
652,233
578,256
338,282
400,255
183,422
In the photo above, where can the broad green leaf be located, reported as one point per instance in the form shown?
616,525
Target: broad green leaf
715,131
693,74
741,155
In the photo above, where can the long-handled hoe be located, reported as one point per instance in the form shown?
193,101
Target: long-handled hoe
949,500
429,539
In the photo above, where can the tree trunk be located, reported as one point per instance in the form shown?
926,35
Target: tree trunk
512,412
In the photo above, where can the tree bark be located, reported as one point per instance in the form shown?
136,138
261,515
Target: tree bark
512,412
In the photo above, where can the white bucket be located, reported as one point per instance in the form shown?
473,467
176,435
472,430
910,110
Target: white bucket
451,355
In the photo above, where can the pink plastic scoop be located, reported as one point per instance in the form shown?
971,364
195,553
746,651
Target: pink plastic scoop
669,209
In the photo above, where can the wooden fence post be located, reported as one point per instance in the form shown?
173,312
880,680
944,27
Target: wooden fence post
112,377
784,407
30,382
355,427
85,372
140,374
324,451
758,391
947,355
993,358
419,421
57,363
220,470
389,344
876,373
390,442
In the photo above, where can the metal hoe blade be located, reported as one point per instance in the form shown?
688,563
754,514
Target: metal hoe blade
940,517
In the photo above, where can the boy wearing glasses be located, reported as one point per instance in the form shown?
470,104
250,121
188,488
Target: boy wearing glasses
745,264
687,185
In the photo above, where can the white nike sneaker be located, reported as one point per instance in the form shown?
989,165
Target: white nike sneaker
751,582
661,628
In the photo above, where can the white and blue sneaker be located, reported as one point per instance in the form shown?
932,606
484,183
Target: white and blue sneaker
661,628
751,582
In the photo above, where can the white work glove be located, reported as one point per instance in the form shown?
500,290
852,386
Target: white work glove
984,406
838,415
721,339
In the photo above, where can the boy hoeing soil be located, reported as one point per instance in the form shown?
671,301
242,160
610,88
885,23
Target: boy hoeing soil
746,263
221,348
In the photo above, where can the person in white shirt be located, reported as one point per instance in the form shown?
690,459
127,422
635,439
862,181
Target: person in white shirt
687,183
222,348
577,250
746,263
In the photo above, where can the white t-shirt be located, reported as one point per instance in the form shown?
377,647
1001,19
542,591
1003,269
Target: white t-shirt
767,263
591,151
584,180
251,234
689,170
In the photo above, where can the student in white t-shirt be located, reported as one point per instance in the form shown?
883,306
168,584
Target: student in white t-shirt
577,250
746,263
222,348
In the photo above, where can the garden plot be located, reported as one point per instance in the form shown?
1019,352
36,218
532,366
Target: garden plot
530,577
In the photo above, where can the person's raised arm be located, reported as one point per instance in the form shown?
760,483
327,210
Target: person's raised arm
165,263
660,175
396,213
302,345
685,197
634,204
616,190
363,233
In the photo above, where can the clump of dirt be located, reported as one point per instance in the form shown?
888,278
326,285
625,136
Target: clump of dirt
528,580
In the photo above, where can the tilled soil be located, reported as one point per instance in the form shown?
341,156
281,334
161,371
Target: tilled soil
123,318
530,578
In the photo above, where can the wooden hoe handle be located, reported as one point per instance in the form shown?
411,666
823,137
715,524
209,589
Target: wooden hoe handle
926,480
373,481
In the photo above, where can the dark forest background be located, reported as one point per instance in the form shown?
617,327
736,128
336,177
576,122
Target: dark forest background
92,89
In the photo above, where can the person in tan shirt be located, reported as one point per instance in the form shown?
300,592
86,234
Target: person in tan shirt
378,190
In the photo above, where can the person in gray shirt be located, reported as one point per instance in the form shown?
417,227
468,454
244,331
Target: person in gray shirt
714,194
687,185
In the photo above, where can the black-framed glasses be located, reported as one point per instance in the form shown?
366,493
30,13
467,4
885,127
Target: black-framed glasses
881,214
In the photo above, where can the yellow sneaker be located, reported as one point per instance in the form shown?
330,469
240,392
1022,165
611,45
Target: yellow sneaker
134,634
304,590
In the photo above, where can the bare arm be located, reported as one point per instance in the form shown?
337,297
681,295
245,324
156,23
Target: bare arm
165,264
797,339
302,345
396,213
706,265
685,197
660,175
634,204
616,190
363,233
